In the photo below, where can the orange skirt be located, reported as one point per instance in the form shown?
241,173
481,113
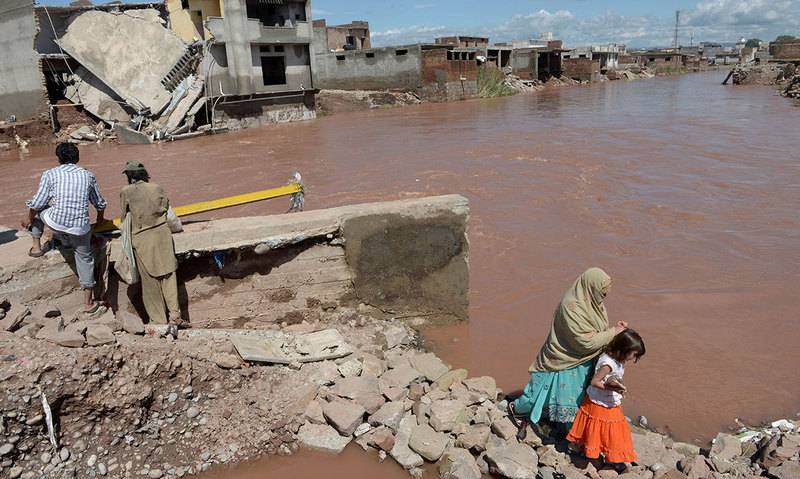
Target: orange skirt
602,430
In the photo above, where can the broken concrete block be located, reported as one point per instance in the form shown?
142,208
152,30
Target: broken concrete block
474,439
96,97
447,413
399,377
321,437
449,378
372,366
362,389
395,336
428,443
226,360
345,416
28,330
504,428
458,463
350,368
512,460
401,452
14,318
67,339
131,323
98,334
314,414
389,415
485,386
383,438
726,447
127,136
429,366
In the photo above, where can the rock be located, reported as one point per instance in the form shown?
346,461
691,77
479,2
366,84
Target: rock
504,428
102,469
345,416
362,429
401,452
649,447
372,366
720,465
671,474
787,470
155,474
725,447
458,463
548,472
395,336
514,461
389,415
446,414
350,368
474,439
400,377
28,330
362,389
192,412
314,414
131,323
321,437
394,393
92,460
67,339
428,443
227,360
485,386
686,449
382,438
696,468
429,366
64,454
15,472
450,377
98,334
642,420
14,318
172,397
549,456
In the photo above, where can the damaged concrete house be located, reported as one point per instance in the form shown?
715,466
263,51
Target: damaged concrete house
433,72
529,60
155,71
332,38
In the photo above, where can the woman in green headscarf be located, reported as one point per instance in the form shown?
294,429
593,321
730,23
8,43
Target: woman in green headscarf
563,369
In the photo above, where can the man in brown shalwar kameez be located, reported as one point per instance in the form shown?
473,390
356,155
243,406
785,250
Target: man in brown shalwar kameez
153,247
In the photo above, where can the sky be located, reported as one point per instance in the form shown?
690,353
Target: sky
637,23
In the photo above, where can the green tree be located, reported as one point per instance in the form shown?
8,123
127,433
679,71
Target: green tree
785,39
753,43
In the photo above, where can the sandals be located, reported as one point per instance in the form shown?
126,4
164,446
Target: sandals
38,254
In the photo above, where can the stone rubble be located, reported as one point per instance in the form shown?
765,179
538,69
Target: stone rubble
139,406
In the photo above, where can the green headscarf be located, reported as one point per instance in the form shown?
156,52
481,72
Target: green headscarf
580,325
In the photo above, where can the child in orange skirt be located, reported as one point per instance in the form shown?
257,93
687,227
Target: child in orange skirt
600,425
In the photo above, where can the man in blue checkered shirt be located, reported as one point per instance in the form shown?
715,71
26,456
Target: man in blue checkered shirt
62,204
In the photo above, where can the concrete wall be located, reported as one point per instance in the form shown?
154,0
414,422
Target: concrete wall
448,80
524,63
410,257
582,69
189,24
789,51
22,91
357,70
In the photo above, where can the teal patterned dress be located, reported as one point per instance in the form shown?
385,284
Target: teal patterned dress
555,395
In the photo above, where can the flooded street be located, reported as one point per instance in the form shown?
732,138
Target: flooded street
685,191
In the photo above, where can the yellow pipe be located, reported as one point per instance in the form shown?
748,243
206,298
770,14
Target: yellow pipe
213,205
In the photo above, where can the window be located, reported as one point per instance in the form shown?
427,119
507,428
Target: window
340,58
273,70
185,4
401,53
667,59
278,49
299,51
351,40
266,49
370,55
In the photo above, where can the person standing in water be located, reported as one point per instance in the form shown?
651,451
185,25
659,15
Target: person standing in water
153,247
564,366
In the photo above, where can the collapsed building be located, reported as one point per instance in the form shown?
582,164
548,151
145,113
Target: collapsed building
156,71
528,60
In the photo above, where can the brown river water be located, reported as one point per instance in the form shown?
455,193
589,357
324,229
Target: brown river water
685,191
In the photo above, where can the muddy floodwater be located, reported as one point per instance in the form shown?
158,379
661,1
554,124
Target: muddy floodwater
686,192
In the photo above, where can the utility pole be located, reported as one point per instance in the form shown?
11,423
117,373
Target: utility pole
677,23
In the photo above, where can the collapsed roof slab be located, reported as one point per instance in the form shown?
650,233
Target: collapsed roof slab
131,54
96,97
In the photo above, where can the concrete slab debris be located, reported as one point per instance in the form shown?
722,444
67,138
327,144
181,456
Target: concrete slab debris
130,53
308,348
96,97
321,437
126,136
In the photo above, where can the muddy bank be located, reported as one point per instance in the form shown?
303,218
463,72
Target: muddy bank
783,76
142,406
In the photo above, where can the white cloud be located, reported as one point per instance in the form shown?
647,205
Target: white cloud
710,20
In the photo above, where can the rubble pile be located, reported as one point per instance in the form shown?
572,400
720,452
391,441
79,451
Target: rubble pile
523,86
630,74
792,88
109,398
338,101
762,73
141,80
